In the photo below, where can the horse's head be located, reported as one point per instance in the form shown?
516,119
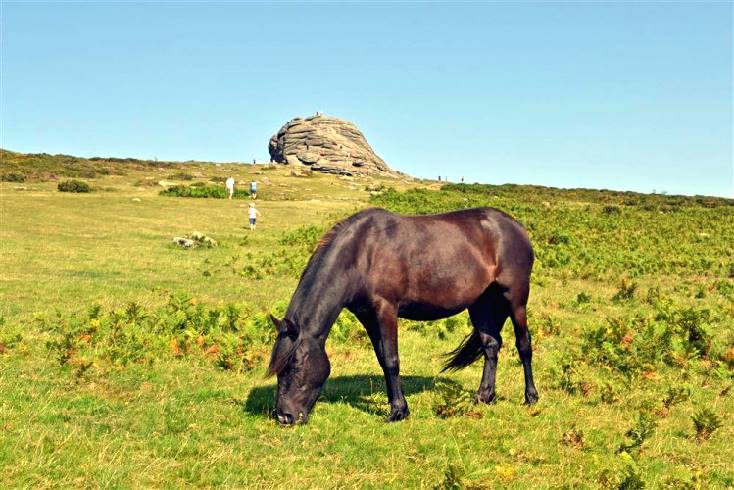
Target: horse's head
302,367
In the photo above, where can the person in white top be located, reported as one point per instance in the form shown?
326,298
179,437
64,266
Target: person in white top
229,184
253,214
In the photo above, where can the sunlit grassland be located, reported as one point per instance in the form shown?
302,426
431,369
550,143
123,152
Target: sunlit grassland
184,421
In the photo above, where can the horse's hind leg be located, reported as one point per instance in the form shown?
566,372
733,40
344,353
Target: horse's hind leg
488,315
517,296
524,349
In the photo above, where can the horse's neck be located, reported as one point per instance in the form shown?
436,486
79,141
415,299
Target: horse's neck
315,307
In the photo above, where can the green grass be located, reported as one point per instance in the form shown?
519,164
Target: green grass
176,416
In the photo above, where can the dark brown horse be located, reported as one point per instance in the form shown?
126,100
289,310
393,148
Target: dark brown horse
381,266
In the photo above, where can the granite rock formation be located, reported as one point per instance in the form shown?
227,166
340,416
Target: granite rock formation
326,144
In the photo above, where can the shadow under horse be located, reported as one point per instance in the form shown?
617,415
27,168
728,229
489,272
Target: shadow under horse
354,390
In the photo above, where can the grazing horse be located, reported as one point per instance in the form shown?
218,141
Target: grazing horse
381,266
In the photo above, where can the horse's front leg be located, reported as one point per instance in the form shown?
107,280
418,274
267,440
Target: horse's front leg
382,328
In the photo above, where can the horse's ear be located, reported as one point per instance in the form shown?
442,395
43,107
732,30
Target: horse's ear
278,323
285,326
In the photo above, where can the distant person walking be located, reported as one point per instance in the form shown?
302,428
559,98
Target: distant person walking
253,189
253,213
229,184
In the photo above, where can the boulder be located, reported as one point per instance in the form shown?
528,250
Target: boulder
326,144
308,158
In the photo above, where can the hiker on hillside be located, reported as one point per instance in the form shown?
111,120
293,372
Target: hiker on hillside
253,214
253,189
229,184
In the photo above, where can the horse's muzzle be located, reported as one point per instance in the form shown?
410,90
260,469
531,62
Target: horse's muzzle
288,419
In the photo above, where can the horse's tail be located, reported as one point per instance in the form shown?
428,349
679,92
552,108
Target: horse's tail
468,351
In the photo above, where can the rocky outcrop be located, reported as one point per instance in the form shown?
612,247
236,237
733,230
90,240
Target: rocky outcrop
326,144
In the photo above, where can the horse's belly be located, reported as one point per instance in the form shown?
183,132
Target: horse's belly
423,311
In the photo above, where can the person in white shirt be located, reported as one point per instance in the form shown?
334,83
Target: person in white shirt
253,214
229,184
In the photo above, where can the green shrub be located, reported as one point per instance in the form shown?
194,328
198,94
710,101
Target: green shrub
625,476
568,372
453,478
705,422
440,328
451,399
583,239
573,438
631,345
550,325
305,237
202,191
74,185
641,430
181,176
9,338
675,395
582,298
347,329
691,326
559,238
626,291
231,336
13,177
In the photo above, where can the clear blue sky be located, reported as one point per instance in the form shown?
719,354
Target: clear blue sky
633,96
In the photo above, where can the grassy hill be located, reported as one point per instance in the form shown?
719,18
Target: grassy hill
126,361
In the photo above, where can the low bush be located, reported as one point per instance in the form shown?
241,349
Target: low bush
626,291
13,177
641,430
672,336
181,176
570,375
705,422
74,185
203,191
347,329
231,336
573,438
440,328
451,400
146,183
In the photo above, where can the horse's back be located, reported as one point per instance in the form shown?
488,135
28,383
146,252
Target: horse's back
442,262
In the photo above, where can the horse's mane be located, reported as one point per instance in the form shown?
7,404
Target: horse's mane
280,358
323,245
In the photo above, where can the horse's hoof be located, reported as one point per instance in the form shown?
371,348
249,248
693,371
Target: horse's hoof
531,398
487,398
396,415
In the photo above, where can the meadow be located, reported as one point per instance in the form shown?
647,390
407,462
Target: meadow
126,361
